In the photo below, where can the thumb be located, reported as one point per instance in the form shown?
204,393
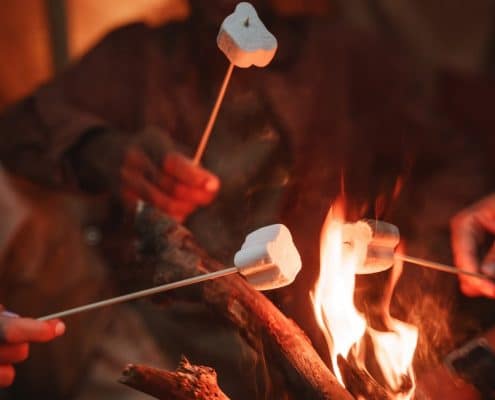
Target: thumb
488,264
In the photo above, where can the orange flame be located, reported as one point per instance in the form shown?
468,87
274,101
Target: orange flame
344,327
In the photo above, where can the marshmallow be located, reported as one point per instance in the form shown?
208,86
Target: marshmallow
245,40
268,258
374,243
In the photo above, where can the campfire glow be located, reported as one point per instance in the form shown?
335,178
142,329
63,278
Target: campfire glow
345,329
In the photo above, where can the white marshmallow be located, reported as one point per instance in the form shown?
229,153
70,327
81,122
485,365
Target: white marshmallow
245,40
356,238
373,242
268,258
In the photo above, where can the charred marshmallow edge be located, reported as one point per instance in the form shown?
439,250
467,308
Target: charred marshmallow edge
268,258
375,242
244,39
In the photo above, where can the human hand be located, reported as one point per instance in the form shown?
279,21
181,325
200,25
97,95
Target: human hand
15,335
178,188
468,229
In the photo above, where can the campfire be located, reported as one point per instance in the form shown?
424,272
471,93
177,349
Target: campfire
347,332
368,362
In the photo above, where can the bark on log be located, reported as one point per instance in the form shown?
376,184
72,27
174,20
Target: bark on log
188,382
171,250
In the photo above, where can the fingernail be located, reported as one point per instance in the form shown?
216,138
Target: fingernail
212,185
488,269
10,314
59,328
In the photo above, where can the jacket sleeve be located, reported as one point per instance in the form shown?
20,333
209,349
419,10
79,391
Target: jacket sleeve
42,134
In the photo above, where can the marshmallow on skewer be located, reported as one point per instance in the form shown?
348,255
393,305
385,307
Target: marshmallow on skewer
268,258
374,243
244,39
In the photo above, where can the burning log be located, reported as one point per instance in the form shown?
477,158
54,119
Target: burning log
360,383
172,252
188,382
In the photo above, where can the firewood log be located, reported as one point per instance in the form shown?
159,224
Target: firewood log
361,384
170,249
188,382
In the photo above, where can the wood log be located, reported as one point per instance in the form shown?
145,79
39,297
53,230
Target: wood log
360,383
188,382
171,250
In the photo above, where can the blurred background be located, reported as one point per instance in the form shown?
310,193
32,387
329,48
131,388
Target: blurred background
39,37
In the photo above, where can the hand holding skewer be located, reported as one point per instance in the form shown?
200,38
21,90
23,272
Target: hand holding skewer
245,41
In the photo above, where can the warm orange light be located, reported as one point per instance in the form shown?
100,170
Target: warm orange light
343,326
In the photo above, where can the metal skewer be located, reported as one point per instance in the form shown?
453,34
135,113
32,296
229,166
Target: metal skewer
441,267
142,293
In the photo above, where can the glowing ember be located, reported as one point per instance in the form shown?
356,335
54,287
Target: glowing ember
345,329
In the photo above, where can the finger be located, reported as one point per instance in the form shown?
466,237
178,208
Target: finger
145,190
7,375
464,234
474,287
190,194
13,353
185,171
484,213
20,330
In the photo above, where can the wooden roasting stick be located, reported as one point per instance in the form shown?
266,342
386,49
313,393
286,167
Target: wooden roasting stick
213,116
175,255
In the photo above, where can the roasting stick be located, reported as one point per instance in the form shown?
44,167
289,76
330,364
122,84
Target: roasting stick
440,267
213,116
141,293
245,41
268,259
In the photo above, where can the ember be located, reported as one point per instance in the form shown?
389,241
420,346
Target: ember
346,330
